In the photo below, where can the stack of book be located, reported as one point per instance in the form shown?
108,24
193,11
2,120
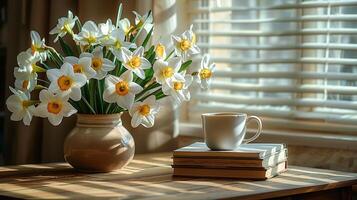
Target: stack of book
249,161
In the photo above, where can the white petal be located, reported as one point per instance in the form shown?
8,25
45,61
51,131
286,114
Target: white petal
14,103
80,80
139,72
68,109
145,64
205,61
71,59
75,94
127,76
55,120
134,108
125,101
139,52
107,65
53,74
27,118
67,69
148,121
109,95
135,88
90,26
45,96
175,62
85,54
136,120
17,116
151,100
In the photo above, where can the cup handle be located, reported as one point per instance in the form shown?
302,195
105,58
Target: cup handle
259,122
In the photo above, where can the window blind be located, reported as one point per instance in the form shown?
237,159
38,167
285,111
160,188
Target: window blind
292,62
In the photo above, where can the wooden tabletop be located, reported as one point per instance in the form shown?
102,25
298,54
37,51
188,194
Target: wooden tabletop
149,177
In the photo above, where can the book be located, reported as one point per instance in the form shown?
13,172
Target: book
250,150
269,161
240,173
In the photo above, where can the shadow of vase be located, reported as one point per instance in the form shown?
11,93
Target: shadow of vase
162,136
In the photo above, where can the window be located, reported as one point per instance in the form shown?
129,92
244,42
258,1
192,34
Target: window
292,62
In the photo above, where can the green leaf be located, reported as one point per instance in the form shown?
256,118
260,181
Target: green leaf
147,38
66,48
120,9
185,65
170,54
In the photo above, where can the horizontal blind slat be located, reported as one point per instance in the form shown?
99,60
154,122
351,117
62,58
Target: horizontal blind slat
279,47
322,60
255,33
346,17
284,88
311,4
236,99
280,113
287,75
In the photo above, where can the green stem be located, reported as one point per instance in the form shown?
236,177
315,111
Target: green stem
167,57
89,106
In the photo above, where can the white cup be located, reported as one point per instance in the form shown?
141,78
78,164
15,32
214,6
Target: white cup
226,131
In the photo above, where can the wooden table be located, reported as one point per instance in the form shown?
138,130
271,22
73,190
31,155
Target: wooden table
149,177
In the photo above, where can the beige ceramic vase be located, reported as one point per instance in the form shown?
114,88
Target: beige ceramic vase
99,143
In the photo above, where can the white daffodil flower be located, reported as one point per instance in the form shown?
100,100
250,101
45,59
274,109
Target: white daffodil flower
185,45
143,112
121,90
116,40
178,90
106,28
89,35
38,46
21,106
160,51
100,64
25,78
64,26
54,106
105,31
133,61
124,24
140,20
64,80
167,71
206,71
81,65
25,75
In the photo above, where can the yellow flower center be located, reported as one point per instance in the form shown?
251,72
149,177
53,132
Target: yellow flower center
178,85
91,39
144,110
77,68
135,62
36,48
97,64
160,50
117,44
185,45
64,82
66,28
122,88
205,73
167,72
54,107
26,104
25,84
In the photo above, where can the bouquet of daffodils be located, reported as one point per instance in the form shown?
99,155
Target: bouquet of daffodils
104,71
